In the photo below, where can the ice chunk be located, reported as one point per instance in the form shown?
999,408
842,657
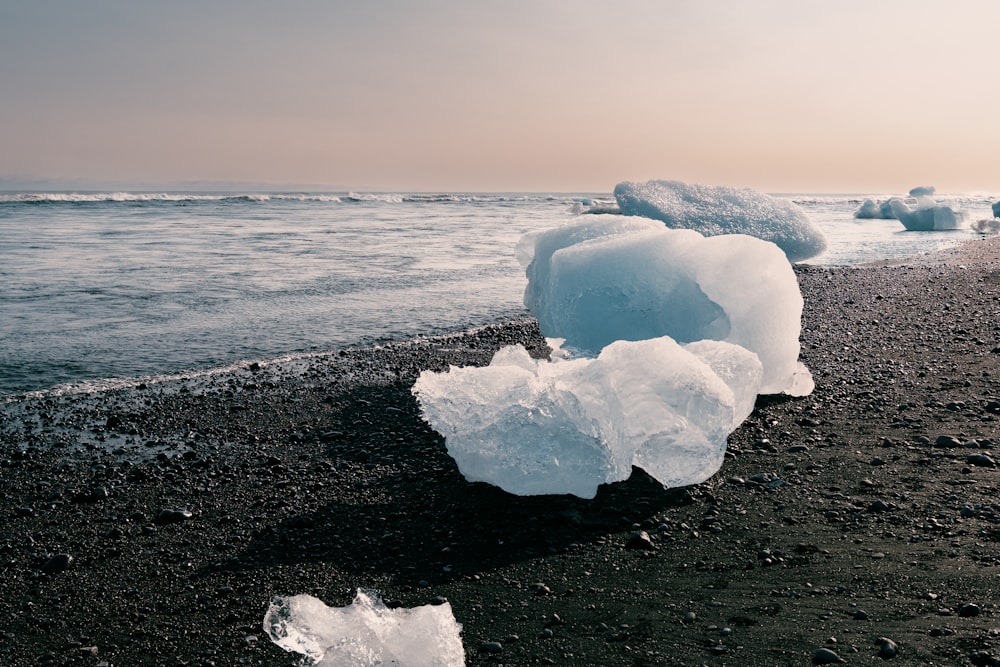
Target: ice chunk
996,209
365,632
870,209
928,216
923,191
539,427
595,282
724,210
987,226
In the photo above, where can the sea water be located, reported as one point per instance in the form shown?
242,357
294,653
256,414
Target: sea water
100,289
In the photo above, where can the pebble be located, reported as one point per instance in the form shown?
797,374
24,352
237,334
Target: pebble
947,441
981,460
490,647
969,610
640,540
166,516
58,563
886,648
824,656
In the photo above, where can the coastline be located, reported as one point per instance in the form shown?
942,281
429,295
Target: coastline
848,514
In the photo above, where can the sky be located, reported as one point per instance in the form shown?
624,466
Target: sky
500,95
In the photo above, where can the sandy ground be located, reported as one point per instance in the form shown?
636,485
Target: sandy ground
153,526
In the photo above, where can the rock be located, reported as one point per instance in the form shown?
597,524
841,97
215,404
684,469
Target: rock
542,589
490,647
878,506
947,441
167,516
984,659
859,616
58,563
824,656
886,648
981,460
640,540
969,610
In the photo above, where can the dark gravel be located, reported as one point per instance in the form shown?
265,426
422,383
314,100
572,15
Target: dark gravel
152,526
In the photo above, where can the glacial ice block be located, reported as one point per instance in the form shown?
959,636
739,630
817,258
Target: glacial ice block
599,281
365,633
878,210
542,427
714,210
928,215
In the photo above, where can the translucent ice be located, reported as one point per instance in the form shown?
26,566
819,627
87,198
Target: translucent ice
365,632
871,209
539,427
629,278
663,340
724,210
928,215
996,209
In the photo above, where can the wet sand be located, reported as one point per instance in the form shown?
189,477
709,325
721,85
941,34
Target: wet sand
867,510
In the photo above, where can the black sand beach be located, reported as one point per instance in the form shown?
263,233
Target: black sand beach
862,520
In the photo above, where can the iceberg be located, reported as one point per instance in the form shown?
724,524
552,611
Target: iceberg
627,278
714,210
928,215
538,427
923,191
365,633
662,341
996,209
875,210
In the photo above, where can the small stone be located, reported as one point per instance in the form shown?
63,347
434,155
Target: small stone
640,540
58,563
981,460
879,506
490,647
984,659
947,441
167,516
969,610
859,616
886,648
824,656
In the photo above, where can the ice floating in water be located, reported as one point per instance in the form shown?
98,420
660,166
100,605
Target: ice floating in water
538,427
630,278
365,632
723,210
928,215
987,226
871,210
996,209
669,336
923,191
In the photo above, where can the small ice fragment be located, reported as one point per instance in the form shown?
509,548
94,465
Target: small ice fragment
365,633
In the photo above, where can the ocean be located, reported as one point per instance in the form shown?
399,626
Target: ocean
105,290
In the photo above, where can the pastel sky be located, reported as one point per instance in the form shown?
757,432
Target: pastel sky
501,95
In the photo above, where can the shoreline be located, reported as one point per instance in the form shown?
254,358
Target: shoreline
865,510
